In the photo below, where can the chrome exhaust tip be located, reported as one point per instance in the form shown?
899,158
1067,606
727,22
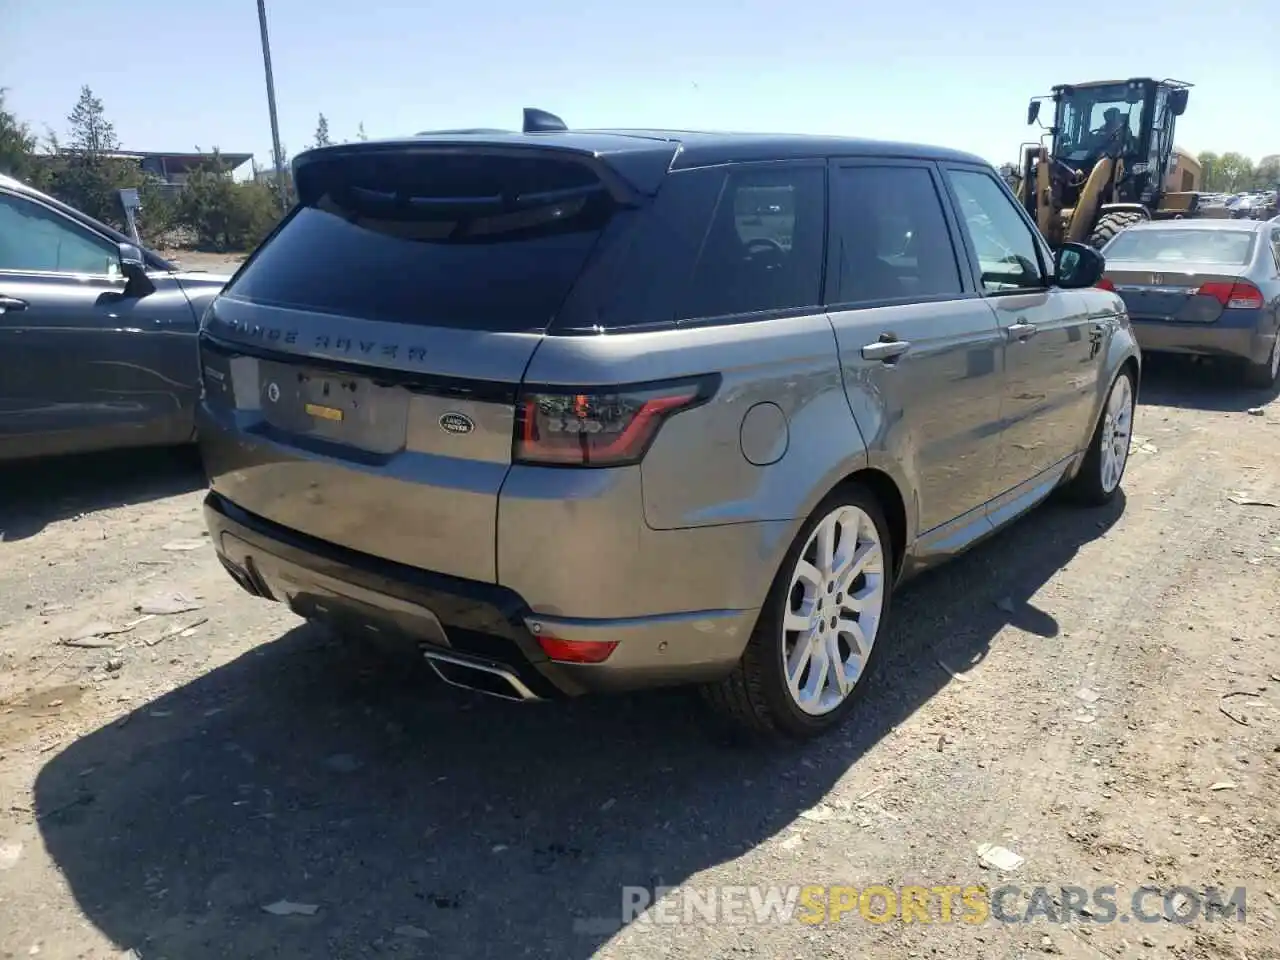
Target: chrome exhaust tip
486,678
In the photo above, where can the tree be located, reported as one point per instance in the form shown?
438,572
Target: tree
91,133
1235,171
360,134
322,132
17,143
1208,161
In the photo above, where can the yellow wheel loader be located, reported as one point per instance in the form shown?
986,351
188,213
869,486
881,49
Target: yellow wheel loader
1105,162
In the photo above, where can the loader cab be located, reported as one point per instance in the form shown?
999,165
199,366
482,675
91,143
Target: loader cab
1129,120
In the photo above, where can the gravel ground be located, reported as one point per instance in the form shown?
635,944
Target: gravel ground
1096,691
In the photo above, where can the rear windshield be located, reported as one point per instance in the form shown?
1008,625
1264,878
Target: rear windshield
457,240
1233,247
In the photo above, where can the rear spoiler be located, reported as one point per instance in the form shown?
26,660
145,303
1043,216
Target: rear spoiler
631,169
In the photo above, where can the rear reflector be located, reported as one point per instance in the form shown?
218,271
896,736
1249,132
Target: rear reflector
1239,295
1105,284
577,651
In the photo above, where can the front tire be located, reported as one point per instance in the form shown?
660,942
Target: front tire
1099,478
814,645
1109,224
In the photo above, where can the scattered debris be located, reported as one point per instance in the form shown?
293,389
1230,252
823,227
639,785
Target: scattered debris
818,814
498,848
992,856
167,604
9,854
115,664
1247,501
1222,706
1222,785
90,643
792,842
1256,412
177,630
93,633
1149,448
408,930
608,804
963,678
179,546
286,908
1088,695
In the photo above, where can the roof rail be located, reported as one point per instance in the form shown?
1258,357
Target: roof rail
539,121
428,133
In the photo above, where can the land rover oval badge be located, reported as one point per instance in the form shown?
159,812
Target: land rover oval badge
458,423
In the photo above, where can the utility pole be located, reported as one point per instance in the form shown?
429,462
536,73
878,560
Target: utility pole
281,183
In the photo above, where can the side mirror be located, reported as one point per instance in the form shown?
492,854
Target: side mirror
1033,112
133,265
1178,102
1077,265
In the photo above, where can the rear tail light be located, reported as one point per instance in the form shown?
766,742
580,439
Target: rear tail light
577,651
1239,295
1105,284
599,427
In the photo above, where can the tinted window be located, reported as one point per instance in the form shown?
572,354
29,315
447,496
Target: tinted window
892,236
34,239
764,247
1227,247
1006,248
482,242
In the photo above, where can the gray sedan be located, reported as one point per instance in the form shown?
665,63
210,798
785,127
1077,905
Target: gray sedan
97,336
1207,287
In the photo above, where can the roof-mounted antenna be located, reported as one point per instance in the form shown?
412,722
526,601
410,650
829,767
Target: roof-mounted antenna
539,121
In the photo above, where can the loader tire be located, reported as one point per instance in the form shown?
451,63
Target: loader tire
1109,224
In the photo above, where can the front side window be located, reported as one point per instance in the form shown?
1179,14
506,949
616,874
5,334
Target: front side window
763,250
34,239
892,236
1004,244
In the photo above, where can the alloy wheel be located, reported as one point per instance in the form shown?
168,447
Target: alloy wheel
1117,428
835,604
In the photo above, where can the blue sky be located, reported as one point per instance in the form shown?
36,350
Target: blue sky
184,73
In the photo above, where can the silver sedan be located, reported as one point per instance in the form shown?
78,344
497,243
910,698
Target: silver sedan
1207,287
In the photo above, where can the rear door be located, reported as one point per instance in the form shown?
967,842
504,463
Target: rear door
370,351
919,350
1053,348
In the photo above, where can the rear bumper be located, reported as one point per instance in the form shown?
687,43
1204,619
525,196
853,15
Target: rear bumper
1244,341
487,626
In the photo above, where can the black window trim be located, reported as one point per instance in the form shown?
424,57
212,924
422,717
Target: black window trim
756,316
969,290
1044,259
75,227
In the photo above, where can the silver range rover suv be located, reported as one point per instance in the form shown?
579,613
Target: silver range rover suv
583,411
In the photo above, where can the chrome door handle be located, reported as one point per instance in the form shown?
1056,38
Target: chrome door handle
1021,330
11,303
885,350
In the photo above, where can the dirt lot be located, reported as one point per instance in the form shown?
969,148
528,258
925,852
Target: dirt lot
212,262
1098,692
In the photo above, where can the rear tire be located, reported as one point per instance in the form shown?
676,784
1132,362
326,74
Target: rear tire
1102,472
1263,376
814,646
1109,224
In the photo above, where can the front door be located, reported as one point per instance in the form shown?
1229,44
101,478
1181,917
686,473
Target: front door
82,365
919,350
1052,347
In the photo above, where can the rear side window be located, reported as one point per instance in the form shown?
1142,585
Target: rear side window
763,249
1225,247
449,240
892,235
